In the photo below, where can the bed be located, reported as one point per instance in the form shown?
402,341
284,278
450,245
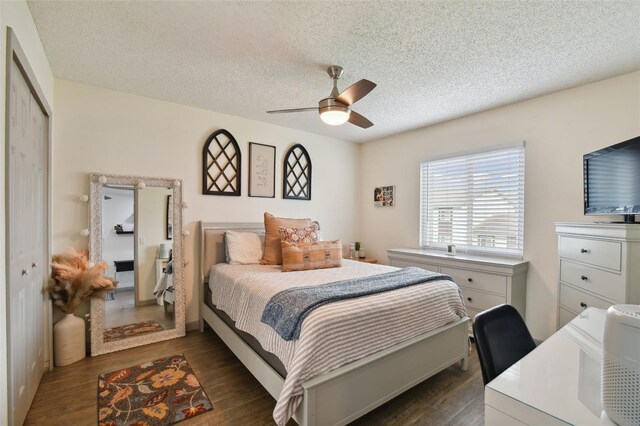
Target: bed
369,381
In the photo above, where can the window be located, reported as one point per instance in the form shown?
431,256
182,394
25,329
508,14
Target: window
445,225
474,201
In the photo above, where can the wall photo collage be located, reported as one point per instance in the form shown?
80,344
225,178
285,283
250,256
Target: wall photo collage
384,196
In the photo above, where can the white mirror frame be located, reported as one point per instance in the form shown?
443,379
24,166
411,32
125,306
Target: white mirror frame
96,184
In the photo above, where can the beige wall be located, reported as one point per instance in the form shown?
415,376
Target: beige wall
98,130
15,14
558,129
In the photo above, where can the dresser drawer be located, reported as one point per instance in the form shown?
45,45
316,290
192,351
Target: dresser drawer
477,280
606,254
479,301
578,301
603,283
404,264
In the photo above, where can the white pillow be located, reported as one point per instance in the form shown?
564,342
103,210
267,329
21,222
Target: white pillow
244,248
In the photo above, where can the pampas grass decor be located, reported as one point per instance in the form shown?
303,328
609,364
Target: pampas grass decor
73,279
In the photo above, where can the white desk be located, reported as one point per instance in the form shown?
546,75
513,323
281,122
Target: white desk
557,383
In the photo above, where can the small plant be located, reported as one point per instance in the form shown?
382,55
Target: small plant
357,245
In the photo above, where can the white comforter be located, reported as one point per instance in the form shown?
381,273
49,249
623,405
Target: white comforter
334,334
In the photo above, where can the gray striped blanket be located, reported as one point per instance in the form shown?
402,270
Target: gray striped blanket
286,310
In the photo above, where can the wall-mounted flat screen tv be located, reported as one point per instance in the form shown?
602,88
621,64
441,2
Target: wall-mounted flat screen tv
612,181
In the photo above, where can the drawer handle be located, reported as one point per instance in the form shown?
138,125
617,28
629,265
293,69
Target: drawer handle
584,251
584,305
470,299
470,280
583,277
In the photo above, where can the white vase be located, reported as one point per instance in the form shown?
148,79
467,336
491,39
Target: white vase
69,341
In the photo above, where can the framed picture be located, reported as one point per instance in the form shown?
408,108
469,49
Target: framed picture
221,165
169,217
384,196
262,170
296,174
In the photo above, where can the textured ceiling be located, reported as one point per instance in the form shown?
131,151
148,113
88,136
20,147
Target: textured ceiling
432,61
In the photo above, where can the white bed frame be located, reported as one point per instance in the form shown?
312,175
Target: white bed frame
349,392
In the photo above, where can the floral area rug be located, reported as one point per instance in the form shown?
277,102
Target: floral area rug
130,330
161,392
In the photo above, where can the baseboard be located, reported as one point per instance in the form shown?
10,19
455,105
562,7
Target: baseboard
193,325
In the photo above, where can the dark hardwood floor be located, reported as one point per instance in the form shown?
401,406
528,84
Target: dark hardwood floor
67,395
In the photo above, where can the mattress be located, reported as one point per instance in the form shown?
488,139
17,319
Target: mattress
334,334
268,357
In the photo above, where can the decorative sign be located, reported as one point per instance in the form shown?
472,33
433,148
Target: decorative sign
262,170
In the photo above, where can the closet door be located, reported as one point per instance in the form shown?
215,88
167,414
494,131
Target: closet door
27,230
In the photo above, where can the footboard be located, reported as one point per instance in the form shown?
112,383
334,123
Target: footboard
349,392
343,395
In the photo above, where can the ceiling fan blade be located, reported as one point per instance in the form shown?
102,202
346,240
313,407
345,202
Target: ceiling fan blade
359,120
282,111
355,92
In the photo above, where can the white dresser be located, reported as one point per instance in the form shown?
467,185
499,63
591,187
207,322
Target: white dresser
599,266
484,281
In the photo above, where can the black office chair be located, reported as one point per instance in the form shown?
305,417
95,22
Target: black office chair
502,339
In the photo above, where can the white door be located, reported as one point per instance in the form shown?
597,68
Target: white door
27,204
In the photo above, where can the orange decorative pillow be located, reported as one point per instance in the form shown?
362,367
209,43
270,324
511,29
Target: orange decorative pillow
306,256
272,251
308,234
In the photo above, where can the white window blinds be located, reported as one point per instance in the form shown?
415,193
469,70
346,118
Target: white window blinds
475,202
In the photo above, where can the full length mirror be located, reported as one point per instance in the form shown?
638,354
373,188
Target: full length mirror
136,229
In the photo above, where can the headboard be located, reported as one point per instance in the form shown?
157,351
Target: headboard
212,241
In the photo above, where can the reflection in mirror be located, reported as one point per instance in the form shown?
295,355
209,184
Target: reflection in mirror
129,223
169,218
132,237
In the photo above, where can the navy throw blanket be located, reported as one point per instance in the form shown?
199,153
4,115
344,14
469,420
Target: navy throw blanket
286,310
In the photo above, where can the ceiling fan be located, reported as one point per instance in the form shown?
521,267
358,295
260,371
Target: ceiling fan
335,110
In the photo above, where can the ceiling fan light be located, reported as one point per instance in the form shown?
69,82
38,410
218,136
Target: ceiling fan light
335,116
